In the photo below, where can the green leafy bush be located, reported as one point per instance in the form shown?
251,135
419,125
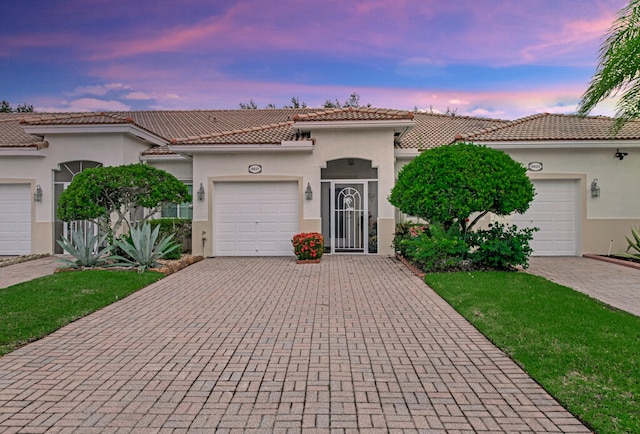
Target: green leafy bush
179,228
501,247
406,231
85,249
142,250
451,183
100,193
434,248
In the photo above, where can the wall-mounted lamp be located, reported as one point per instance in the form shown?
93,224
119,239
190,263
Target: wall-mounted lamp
201,193
595,189
37,195
620,155
308,193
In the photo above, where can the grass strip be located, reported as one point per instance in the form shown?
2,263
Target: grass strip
583,352
34,309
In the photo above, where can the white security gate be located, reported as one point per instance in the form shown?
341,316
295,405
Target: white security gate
349,225
554,211
15,219
255,218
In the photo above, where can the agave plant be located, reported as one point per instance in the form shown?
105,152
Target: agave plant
633,245
142,249
85,249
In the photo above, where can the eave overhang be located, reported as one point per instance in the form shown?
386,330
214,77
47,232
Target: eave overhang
560,144
287,146
166,157
398,126
22,151
406,154
133,130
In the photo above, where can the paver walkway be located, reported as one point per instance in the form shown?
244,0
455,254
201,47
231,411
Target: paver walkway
614,284
24,271
355,343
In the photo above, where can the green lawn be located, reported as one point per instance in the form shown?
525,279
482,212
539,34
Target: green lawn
32,310
583,352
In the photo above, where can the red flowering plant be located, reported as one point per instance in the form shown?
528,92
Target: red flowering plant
308,245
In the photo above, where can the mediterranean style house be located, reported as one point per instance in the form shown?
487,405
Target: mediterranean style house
260,176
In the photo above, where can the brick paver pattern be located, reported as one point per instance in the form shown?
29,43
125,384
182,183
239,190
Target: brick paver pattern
614,284
355,343
24,271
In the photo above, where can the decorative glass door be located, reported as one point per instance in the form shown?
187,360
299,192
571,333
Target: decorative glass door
349,222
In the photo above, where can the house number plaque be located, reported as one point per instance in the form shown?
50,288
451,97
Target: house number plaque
535,166
255,168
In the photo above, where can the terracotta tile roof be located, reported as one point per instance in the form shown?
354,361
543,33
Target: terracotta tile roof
432,130
194,123
546,127
75,119
353,114
159,150
253,126
12,134
273,133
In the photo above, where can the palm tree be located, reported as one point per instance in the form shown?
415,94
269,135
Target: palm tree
618,68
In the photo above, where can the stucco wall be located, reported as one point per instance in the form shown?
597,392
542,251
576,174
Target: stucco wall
606,220
603,221
374,145
181,169
105,148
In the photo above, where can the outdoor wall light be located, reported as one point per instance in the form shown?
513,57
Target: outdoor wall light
201,193
595,189
37,195
308,193
620,155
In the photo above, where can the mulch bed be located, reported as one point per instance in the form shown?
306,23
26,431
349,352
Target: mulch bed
613,260
166,267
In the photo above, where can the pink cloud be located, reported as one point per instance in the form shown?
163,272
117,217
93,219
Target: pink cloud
84,105
487,31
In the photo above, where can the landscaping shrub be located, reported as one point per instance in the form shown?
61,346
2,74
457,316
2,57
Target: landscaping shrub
450,184
308,245
141,248
88,250
100,193
179,228
405,231
633,245
501,247
434,248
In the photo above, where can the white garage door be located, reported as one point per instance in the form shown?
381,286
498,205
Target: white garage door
555,211
255,218
15,219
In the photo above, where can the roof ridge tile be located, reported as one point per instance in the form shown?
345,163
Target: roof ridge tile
493,128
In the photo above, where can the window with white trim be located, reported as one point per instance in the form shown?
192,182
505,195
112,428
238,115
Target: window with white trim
183,210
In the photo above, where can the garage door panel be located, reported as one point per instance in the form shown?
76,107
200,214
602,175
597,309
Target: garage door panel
15,219
265,216
554,211
244,227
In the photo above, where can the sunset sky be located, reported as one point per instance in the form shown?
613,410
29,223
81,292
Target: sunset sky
493,58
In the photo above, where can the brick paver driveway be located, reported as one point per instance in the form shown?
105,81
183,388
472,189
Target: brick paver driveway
354,343
613,284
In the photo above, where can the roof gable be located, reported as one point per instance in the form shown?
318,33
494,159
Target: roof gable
553,127
432,130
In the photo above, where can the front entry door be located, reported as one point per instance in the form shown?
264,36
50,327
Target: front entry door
349,222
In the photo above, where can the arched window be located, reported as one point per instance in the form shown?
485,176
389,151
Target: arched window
61,180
